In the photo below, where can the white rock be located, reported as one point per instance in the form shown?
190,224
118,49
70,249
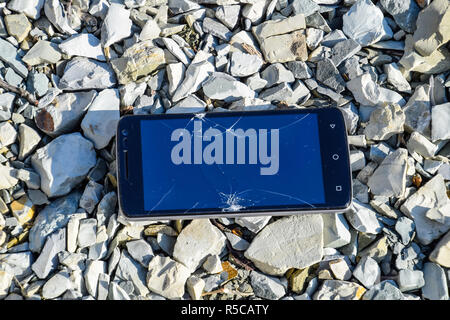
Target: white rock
367,272
363,218
83,74
31,8
357,160
237,243
340,269
173,47
194,286
213,264
417,111
29,139
167,277
364,89
435,287
141,251
221,86
389,179
190,104
8,134
130,92
103,286
431,195
150,31
335,231
56,285
364,23
339,290
87,233
91,196
244,64
409,280
196,241
228,15
93,269
63,163
254,224
396,78
266,287
6,279
72,233
130,270
116,26
417,143
440,118
64,113
100,122
48,259
117,293
294,242
175,74
56,14
83,45
441,252
99,8
385,121
7,180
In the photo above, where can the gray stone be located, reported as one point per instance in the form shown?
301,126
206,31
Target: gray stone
194,286
100,122
175,75
87,233
8,134
396,78
54,216
221,86
364,23
13,78
166,243
440,117
141,251
138,61
327,74
130,270
48,258
42,52
116,26
404,12
167,277
344,50
91,196
389,179
6,279
435,287
93,270
299,69
409,280
18,264
418,111
64,113
38,83
339,290
213,264
430,195
83,45
336,231
237,242
228,15
8,54
367,272
254,224
190,104
333,37
150,31
432,27
276,73
196,241
244,64
266,287
56,14
441,252
281,92
364,89
117,293
306,7
363,218
63,163
405,228
313,37
255,82
173,47
357,160
417,143
217,29
197,72
56,285
37,197
31,8
294,242
84,74
385,290
130,92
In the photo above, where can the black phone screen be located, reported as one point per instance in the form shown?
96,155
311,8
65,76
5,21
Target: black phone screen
232,163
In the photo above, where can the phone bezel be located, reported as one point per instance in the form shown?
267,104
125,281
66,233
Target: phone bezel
130,188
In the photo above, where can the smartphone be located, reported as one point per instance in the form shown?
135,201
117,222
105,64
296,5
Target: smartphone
229,164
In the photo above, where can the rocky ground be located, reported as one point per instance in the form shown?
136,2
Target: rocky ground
70,69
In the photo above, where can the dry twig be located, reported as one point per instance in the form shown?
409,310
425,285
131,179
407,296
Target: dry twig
22,92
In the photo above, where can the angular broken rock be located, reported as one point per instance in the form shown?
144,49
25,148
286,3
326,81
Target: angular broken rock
266,287
385,121
190,104
63,163
336,231
339,290
364,90
431,195
116,26
31,8
440,118
435,287
55,13
91,274
389,179
432,27
294,242
55,215
141,251
196,242
221,86
84,74
327,74
29,139
83,45
56,285
42,52
363,23
100,122
48,257
396,78
64,113
363,218
404,12
367,272
244,64
8,54
130,270
167,277
441,252
138,61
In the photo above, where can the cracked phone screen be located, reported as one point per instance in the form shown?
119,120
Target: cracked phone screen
231,164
